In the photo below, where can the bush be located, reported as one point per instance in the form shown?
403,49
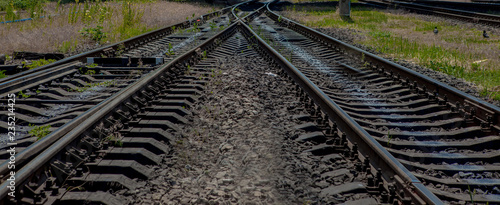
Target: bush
95,34
34,7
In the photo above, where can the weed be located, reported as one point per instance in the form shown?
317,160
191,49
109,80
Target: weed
88,72
212,25
390,138
35,8
93,65
195,28
169,50
68,46
120,49
23,95
38,63
94,33
204,55
131,18
471,194
115,139
39,131
2,74
72,15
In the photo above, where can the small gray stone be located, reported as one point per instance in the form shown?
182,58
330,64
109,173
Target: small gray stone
227,181
322,184
353,187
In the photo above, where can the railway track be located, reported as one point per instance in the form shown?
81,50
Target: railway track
434,130
475,17
467,6
53,96
382,133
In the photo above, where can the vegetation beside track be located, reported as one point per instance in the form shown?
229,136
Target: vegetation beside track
457,50
75,27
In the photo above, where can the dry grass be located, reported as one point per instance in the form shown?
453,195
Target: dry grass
55,34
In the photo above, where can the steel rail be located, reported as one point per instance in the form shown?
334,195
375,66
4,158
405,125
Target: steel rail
103,109
472,5
125,44
448,10
484,112
475,17
233,9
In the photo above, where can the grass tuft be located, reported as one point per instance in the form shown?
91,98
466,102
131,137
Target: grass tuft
39,131
38,63
2,74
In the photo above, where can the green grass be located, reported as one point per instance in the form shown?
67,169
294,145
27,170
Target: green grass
457,50
39,131
38,63
23,95
2,74
34,8
68,46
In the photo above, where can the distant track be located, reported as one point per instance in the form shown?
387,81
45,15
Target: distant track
475,17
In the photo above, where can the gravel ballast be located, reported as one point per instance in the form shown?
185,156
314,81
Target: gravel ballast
237,150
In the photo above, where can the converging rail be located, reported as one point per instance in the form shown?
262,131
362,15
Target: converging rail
399,137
